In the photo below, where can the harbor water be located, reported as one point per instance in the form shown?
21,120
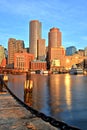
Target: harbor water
62,96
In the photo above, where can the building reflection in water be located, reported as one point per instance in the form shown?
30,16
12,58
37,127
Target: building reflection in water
68,90
56,93
62,96
41,93
28,89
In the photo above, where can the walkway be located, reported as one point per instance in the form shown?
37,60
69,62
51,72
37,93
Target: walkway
15,117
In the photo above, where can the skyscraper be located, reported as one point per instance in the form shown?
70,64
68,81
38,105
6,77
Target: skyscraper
14,46
55,49
41,49
34,35
54,37
11,50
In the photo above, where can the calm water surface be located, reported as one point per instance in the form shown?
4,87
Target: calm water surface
61,96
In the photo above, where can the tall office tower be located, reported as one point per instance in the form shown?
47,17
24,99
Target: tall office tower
11,50
55,49
41,49
35,34
54,38
14,46
19,45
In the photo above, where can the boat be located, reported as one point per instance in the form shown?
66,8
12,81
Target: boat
76,71
45,72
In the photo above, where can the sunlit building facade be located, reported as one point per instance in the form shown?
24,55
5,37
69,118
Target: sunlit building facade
34,35
11,50
41,49
2,57
55,49
56,53
81,52
54,38
38,65
85,51
22,60
14,46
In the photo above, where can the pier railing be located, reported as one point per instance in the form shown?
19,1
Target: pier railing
58,124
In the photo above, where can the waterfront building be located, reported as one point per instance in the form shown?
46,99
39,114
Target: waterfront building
56,53
55,65
38,65
85,51
41,49
70,50
81,52
2,57
34,34
85,63
14,46
57,57
55,49
69,61
22,60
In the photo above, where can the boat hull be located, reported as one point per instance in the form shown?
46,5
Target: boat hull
76,71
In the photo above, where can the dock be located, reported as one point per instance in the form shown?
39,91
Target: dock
13,116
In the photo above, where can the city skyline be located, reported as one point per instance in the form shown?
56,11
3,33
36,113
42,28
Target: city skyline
68,16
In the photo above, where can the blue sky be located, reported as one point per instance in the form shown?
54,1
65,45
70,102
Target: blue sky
70,16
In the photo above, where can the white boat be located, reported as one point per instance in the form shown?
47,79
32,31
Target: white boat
45,72
76,71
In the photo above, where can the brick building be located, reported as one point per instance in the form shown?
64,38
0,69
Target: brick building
22,60
38,65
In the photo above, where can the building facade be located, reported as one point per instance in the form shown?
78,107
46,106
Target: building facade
85,51
22,60
81,52
54,38
70,50
2,57
55,49
38,65
56,53
14,46
11,50
41,49
34,35
19,45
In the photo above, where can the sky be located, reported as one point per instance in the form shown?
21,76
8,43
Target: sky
70,16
